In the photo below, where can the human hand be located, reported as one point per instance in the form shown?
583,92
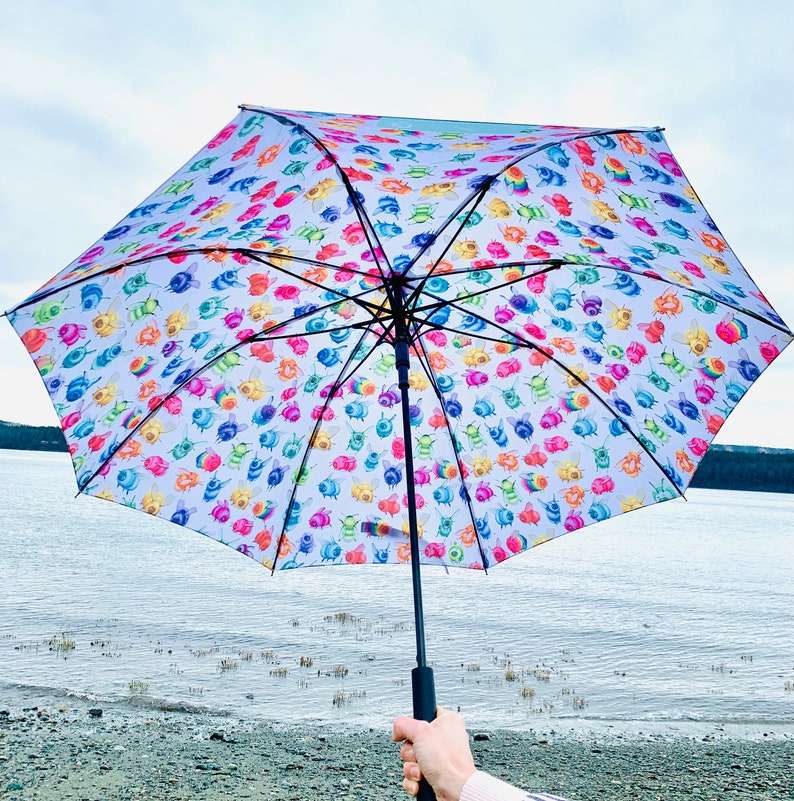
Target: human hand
437,751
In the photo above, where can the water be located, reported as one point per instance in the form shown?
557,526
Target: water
681,612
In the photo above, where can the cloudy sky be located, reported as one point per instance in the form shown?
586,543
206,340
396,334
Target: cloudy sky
101,101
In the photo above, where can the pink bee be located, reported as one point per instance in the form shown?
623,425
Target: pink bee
281,223
617,371
389,506
617,262
173,405
202,207
504,314
71,333
698,446
555,444
96,442
483,492
714,423
537,284
536,252
105,469
561,204
667,162
222,137
326,391
573,521
551,418
243,527
373,255
529,515
437,419
435,550
546,238
536,457
267,192
438,338
220,512
499,553
286,292
241,258
322,411
321,518
420,501
291,412
289,393
299,345
398,448
535,331
329,251
357,556
704,392
508,367
636,352
346,463
71,419
421,476
198,386
693,269
244,333
642,225
263,351
497,250
583,150
769,350
475,378
353,234
156,465
602,484
234,318
251,212
92,254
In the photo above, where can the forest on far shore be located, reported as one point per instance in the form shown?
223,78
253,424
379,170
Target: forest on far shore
731,467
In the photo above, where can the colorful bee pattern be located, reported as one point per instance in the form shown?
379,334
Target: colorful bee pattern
223,357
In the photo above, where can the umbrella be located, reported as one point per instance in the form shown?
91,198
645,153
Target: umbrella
340,339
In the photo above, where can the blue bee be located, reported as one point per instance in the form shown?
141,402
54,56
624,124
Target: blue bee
594,331
144,211
644,398
522,426
115,233
442,495
561,299
497,434
203,418
306,543
356,410
651,173
182,514
504,517
330,551
328,357
552,508
453,406
677,202
276,475
380,555
255,469
221,176
557,155
75,356
84,428
387,205
244,184
226,280
331,214
584,427
673,423
269,439
550,177
599,511
591,355
230,429
626,284
91,296
676,229
78,386
329,488
213,489
483,407
264,414
567,227
422,240
180,204
605,141
482,526
105,357
618,426
184,280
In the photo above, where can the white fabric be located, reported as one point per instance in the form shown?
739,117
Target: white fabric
481,786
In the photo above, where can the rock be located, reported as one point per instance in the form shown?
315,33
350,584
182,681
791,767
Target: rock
95,712
481,737
218,735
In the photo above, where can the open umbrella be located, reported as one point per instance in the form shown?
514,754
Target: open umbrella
338,339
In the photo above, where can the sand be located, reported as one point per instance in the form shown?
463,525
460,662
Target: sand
65,752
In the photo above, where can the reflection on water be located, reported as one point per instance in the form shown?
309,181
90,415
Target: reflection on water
681,611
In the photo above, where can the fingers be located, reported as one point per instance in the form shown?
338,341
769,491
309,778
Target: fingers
410,787
407,752
405,728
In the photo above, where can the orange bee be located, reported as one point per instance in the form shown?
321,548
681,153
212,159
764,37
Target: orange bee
131,449
668,303
149,336
592,182
258,283
395,186
631,464
631,144
268,155
263,539
186,480
684,462
148,388
508,460
573,496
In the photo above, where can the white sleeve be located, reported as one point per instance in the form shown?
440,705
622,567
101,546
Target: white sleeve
481,786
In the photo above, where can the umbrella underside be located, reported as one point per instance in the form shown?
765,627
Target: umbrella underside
225,356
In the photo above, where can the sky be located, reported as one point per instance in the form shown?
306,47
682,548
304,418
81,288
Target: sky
101,101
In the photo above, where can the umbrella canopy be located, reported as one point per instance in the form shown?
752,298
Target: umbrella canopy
328,332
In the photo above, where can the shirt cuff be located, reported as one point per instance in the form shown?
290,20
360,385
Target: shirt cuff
481,786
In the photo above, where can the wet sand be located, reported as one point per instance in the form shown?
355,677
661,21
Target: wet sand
63,752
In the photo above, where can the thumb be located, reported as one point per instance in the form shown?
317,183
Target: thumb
406,728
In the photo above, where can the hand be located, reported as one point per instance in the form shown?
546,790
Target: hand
438,751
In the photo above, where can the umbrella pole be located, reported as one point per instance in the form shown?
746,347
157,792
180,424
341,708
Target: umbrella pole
422,683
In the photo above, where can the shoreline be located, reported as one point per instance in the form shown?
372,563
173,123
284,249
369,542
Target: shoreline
65,752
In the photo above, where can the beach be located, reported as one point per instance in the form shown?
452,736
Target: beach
66,752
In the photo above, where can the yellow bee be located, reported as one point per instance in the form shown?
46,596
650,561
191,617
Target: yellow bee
418,381
465,250
322,190
695,338
279,255
153,501
475,356
631,502
241,496
364,492
176,321
582,376
498,208
468,145
108,323
679,277
691,194
151,430
439,190
620,316
253,389
323,439
715,263
104,395
481,466
569,469
259,311
105,494
216,212
605,212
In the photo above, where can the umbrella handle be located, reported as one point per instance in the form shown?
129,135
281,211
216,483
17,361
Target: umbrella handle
424,696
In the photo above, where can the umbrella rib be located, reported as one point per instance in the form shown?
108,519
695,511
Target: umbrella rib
358,206
424,360
337,383
521,342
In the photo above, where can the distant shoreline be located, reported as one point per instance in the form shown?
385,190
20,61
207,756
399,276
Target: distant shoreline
726,467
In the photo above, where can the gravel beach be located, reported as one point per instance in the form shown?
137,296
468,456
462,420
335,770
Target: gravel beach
66,752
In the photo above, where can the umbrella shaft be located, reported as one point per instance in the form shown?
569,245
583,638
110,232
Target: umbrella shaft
402,364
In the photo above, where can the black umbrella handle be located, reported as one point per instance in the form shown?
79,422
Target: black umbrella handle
424,694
